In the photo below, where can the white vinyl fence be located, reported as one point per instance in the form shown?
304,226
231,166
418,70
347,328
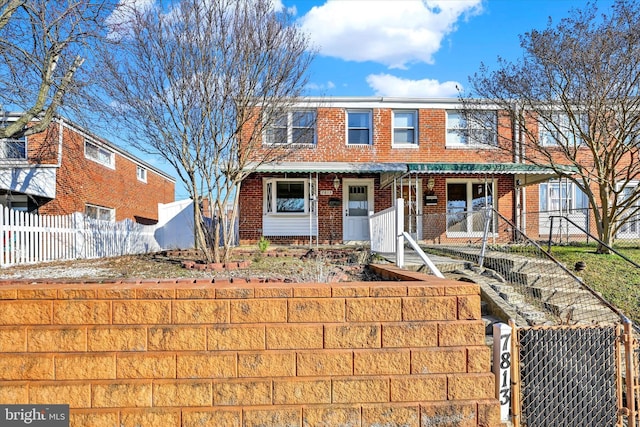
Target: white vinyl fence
382,231
386,231
30,238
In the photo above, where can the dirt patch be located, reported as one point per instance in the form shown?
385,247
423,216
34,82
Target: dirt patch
301,265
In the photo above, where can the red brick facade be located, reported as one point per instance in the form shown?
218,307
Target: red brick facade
331,146
81,180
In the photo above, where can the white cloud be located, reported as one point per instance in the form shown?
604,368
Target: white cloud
391,32
388,85
321,86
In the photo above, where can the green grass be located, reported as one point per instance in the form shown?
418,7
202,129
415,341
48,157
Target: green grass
617,280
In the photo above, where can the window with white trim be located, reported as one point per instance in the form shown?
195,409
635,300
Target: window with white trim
359,127
558,130
562,197
141,173
14,148
100,212
471,129
99,154
405,129
630,221
286,196
466,207
293,127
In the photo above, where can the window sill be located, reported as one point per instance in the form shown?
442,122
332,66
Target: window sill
108,166
405,146
288,214
290,144
470,147
16,162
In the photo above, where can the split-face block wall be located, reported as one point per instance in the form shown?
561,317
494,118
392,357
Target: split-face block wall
245,353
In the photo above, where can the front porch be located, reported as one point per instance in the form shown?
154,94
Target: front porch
329,203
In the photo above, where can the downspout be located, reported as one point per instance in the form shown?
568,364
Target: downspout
516,135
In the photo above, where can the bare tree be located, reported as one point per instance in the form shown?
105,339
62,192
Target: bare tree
198,83
574,100
43,45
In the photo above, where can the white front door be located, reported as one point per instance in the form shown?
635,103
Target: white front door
357,196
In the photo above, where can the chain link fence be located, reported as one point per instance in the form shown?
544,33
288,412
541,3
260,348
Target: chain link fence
575,227
568,376
519,270
574,365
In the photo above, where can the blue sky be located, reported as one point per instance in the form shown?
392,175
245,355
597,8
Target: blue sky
411,48
414,48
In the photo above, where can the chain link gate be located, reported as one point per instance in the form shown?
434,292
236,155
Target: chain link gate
574,376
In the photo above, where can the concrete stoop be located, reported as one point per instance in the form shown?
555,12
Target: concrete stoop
539,291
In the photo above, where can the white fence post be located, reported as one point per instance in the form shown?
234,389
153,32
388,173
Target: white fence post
399,232
3,238
77,224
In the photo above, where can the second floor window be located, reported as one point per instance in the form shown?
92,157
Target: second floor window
558,130
14,149
293,127
474,128
359,127
141,173
404,127
98,154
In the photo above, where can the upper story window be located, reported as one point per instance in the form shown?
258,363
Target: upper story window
99,154
476,128
359,127
100,212
558,130
13,148
405,129
293,127
141,173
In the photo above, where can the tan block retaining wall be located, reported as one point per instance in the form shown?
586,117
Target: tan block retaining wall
196,353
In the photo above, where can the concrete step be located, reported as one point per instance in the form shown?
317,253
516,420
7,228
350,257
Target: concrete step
559,295
521,281
542,279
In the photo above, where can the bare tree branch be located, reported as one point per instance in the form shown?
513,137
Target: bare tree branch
198,83
575,98
43,45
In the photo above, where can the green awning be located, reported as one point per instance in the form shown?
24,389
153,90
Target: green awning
483,168
528,173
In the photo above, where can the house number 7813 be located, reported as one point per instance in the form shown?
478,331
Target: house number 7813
502,367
